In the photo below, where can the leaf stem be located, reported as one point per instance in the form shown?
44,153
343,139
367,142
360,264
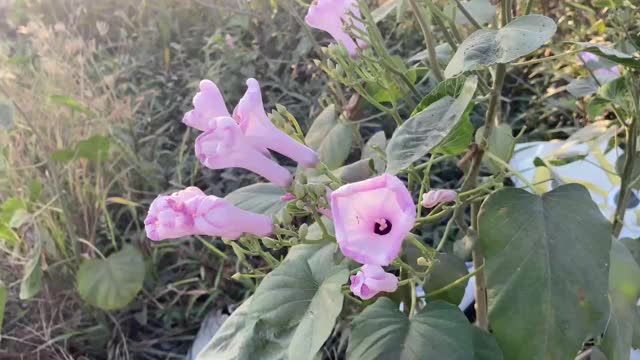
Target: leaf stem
454,284
429,40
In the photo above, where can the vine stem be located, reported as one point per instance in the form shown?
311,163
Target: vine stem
627,172
429,40
454,284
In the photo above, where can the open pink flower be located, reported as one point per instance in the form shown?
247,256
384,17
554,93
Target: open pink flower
603,73
333,16
252,119
191,212
224,145
372,218
255,124
372,279
208,104
438,196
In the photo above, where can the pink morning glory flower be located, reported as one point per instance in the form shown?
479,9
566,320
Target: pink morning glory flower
603,74
372,279
191,212
217,217
224,145
333,16
169,217
372,218
208,104
255,124
438,196
252,119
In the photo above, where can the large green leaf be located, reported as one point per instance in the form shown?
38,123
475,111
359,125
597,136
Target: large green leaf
610,54
291,314
485,346
262,198
383,332
331,138
32,274
374,149
547,268
486,47
446,269
428,129
624,290
481,10
113,282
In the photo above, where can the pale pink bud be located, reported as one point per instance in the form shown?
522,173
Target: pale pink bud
434,197
333,16
224,146
287,197
372,279
208,104
229,40
372,218
255,124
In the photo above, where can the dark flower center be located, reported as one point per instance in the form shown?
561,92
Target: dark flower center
382,226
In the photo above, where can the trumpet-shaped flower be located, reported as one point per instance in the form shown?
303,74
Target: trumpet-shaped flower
372,218
191,212
208,104
333,16
169,216
224,145
255,124
438,196
372,279
252,119
218,217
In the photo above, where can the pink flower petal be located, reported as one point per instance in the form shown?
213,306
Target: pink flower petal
438,196
207,104
333,16
372,218
372,279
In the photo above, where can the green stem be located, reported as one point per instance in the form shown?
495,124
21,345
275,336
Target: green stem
468,15
454,284
627,172
548,58
429,40
412,310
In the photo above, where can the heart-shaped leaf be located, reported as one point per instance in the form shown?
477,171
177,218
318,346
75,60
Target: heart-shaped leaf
291,314
547,265
446,269
330,138
382,332
113,282
426,131
485,346
486,47
624,290
262,198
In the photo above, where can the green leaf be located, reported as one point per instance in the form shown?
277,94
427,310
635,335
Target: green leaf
446,269
608,53
427,130
485,346
71,104
3,303
35,190
330,138
501,143
291,314
374,149
383,10
6,115
582,87
10,207
32,275
8,235
112,283
481,10
357,171
321,126
383,332
633,245
624,290
63,155
449,87
261,198
546,266
95,148
487,47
